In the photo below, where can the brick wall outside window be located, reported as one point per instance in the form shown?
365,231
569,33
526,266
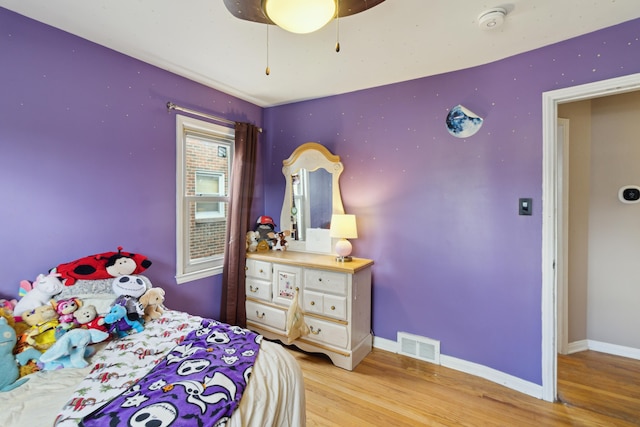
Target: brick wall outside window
206,237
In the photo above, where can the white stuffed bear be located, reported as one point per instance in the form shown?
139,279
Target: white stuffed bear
44,288
252,240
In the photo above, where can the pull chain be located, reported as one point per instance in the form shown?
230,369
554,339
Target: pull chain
268,70
338,26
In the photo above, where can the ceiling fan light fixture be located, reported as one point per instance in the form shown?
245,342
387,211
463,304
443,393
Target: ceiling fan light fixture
300,16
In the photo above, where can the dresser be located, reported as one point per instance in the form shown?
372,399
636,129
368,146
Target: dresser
335,298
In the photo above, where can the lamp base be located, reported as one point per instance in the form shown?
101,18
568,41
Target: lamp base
343,249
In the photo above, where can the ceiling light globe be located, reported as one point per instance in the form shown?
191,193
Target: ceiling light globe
300,16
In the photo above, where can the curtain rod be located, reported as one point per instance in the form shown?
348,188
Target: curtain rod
172,106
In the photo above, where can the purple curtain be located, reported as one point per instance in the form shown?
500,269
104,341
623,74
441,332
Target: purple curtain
232,309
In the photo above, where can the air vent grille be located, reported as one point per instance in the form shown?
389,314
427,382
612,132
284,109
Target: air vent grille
419,347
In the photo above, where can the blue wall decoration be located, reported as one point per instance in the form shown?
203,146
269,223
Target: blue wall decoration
463,123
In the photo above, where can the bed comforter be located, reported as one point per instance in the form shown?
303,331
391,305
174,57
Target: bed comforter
274,392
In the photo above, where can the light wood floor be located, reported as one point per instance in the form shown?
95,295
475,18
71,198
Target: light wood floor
387,389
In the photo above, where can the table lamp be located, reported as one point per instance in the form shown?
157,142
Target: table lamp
343,227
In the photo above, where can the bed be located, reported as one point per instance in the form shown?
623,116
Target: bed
126,381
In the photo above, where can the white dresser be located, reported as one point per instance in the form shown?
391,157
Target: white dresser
334,296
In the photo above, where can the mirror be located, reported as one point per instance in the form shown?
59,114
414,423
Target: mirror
312,195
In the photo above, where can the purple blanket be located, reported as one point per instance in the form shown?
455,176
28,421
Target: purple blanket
199,382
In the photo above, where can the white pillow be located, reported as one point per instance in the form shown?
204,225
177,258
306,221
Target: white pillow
98,293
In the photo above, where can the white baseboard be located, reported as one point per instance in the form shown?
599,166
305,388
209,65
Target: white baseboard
471,368
577,346
510,381
603,347
493,375
385,344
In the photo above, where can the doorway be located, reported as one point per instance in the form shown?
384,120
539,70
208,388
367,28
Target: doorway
553,227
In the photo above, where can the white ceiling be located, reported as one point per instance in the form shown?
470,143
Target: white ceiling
395,41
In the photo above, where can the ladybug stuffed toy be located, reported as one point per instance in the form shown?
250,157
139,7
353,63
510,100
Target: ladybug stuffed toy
103,266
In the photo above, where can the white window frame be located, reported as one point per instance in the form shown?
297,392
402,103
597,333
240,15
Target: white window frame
186,269
216,214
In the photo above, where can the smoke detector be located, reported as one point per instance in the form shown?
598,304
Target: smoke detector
492,18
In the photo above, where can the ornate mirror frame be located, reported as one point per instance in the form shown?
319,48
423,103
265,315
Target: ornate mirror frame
310,156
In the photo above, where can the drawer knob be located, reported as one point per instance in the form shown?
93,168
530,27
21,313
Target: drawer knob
313,303
333,307
261,271
260,316
315,331
252,289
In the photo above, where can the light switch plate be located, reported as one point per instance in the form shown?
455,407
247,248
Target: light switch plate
524,206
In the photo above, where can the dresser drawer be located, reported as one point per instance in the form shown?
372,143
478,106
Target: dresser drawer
335,306
266,315
325,304
258,289
312,302
326,332
325,281
258,269
286,280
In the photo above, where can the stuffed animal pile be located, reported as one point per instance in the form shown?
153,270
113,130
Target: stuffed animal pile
42,331
264,236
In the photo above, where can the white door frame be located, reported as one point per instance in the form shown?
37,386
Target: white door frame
562,231
552,240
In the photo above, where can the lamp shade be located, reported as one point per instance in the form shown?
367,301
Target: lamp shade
300,16
343,226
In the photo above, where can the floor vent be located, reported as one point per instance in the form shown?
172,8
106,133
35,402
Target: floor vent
419,347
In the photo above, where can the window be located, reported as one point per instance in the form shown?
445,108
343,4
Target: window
209,184
204,158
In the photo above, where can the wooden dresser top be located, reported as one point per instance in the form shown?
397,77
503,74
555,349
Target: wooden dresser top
311,260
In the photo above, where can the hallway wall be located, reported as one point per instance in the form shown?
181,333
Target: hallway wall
604,237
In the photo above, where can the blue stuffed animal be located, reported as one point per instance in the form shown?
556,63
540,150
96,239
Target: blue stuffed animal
71,349
9,371
119,323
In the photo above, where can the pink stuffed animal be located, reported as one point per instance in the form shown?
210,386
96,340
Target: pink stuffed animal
65,309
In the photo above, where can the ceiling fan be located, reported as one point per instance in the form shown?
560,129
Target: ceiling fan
298,16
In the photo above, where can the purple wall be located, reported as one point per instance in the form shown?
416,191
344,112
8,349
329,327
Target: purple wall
87,157
87,163
439,215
